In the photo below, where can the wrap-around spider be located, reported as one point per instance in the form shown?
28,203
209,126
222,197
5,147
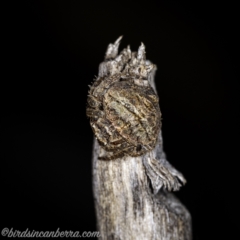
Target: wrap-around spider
122,106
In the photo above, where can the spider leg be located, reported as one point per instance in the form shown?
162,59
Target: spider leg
94,113
116,155
113,157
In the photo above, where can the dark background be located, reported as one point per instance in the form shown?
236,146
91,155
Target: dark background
51,52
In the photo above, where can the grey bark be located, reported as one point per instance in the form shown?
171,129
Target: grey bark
132,194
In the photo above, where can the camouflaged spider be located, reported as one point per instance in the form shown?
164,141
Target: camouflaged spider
122,106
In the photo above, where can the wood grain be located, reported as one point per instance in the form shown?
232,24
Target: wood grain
132,194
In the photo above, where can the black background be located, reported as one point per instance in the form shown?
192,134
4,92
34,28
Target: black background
51,52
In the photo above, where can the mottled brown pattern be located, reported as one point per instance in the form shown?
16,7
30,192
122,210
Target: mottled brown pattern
125,116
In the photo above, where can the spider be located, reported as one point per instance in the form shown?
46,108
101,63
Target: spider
124,109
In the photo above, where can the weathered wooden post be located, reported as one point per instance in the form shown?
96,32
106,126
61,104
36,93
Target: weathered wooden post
132,179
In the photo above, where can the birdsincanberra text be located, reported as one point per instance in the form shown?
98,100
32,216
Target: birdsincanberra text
6,232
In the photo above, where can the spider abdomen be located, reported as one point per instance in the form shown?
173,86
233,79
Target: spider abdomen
134,113
122,106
